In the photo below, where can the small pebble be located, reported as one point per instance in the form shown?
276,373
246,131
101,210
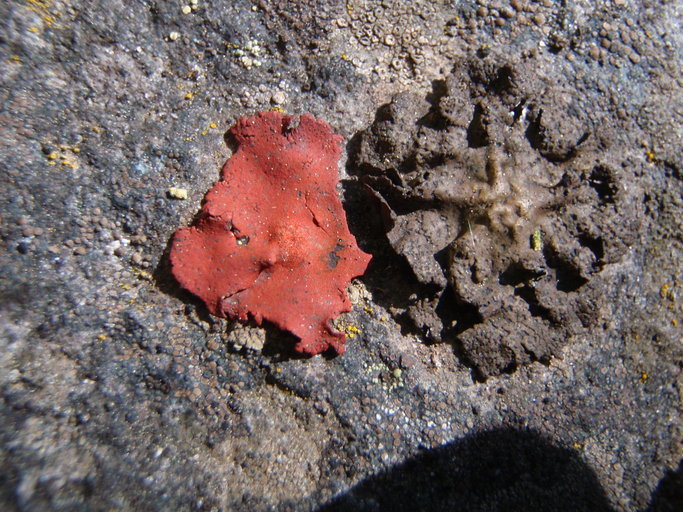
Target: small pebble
80,251
136,258
177,193
507,12
539,19
174,35
278,98
186,9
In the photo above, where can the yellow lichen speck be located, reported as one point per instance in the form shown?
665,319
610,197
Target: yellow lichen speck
537,240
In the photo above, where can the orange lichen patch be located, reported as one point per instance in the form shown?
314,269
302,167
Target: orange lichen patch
272,241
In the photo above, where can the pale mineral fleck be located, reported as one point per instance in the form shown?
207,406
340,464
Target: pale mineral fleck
177,193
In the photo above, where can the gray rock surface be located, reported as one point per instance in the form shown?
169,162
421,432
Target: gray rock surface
119,392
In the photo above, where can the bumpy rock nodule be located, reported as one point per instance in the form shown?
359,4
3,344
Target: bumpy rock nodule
505,204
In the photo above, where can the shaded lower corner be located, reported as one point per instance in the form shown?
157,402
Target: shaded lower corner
499,470
668,496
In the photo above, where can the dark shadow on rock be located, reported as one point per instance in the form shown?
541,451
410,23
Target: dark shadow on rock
388,277
500,470
668,496
353,147
279,345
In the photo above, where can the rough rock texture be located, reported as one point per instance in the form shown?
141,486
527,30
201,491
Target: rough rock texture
507,194
118,389
272,240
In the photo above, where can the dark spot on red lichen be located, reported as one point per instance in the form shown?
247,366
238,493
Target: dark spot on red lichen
332,258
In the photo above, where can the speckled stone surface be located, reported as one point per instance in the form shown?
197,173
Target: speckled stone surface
120,392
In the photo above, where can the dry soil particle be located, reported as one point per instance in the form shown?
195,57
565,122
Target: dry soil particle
507,202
